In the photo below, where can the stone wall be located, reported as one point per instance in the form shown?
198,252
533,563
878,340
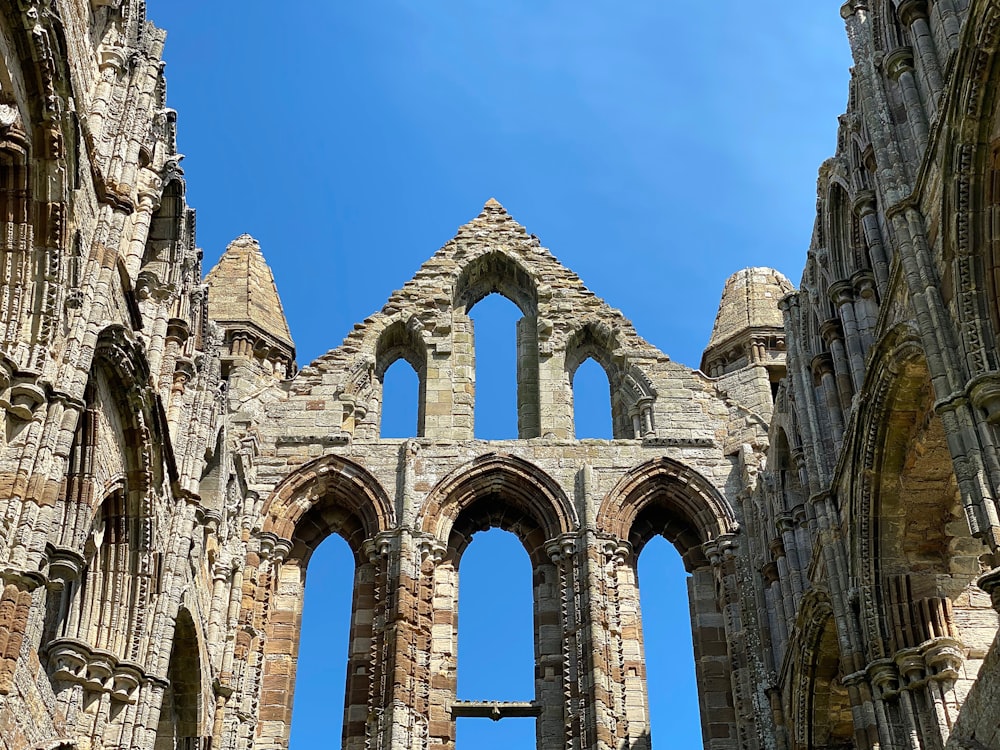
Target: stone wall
830,480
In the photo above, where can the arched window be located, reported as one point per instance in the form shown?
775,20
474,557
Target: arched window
400,416
181,713
591,401
495,638
489,274
666,626
317,714
498,363
402,384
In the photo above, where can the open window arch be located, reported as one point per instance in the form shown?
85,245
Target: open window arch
327,496
497,272
632,392
400,341
665,498
183,711
506,492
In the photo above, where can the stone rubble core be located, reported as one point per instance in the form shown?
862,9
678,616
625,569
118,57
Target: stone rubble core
830,477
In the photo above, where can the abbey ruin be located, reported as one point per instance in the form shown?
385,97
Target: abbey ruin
830,476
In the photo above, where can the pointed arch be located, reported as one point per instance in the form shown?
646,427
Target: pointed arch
182,713
331,494
817,700
496,271
632,392
663,496
402,341
519,496
915,555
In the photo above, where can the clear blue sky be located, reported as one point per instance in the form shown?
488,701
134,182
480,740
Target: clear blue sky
655,148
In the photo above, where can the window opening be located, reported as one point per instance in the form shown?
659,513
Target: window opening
674,714
400,401
494,324
321,672
496,639
591,401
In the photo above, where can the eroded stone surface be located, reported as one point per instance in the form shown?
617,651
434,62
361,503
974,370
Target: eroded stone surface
830,479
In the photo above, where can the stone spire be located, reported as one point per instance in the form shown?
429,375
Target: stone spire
749,329
243,300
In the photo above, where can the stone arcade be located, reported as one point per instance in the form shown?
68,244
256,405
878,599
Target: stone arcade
830,476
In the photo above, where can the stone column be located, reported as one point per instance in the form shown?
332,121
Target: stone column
867,210
573,731
799,369
822,372
899,66
842,295
618,673
913,13
528,408
865,308
833,337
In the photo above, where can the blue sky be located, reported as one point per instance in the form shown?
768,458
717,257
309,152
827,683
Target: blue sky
654,148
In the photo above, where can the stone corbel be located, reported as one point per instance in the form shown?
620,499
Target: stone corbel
562,548
990,583
884,678
20,395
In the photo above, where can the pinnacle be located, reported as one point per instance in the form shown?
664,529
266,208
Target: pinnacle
244,239
493,203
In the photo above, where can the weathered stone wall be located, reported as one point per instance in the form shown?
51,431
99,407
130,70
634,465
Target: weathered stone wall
831,483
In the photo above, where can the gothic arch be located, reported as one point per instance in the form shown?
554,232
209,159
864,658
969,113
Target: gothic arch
632,392
818,703
331,494
915,557
498,490
182,713
516,493
400,340
666,497
498,272
102,559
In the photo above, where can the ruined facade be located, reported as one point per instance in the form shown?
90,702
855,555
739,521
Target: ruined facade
830,476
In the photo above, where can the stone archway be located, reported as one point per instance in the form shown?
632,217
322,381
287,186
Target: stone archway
503,491
330,495
666,498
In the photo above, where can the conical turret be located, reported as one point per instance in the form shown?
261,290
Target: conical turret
749,329
243,300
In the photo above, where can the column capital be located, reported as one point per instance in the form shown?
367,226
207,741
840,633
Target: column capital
910,11
562,547
865,203
842,292
831,330
899,61
822,364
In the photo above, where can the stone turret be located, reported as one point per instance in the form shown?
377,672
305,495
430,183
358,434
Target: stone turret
243,300
747,348
748,327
